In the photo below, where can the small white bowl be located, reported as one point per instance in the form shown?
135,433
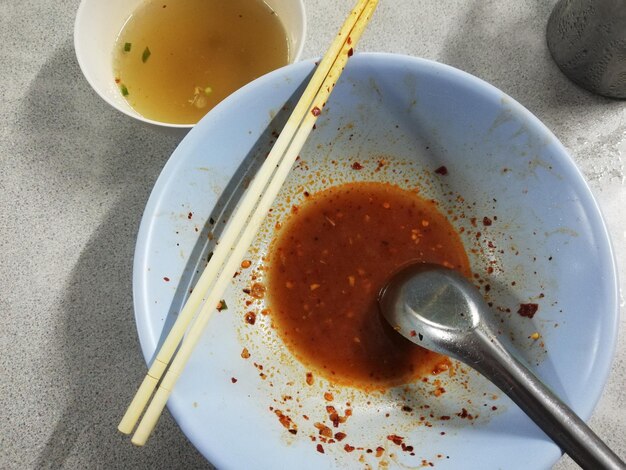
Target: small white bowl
98,24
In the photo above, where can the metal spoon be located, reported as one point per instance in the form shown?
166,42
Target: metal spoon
437,308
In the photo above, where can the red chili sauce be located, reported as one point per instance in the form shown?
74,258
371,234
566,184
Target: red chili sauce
327,265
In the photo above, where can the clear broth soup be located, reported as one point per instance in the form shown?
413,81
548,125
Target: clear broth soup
175,60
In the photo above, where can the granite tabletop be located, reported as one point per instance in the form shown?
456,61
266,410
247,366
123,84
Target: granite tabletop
75,176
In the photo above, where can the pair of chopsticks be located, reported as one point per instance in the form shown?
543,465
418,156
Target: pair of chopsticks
241,231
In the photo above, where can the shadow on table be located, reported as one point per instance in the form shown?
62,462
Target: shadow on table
511,53
103,360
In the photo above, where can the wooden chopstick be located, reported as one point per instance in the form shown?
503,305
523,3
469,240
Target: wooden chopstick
220,254
288,145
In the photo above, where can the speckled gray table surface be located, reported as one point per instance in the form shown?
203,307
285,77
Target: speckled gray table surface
75,176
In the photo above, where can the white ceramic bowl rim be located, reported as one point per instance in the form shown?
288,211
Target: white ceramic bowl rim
84,58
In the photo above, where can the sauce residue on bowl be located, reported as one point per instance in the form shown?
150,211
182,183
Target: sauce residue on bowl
327,265
174,61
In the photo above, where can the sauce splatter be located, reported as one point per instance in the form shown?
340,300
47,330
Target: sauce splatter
327,266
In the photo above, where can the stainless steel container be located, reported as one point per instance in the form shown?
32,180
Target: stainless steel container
587,39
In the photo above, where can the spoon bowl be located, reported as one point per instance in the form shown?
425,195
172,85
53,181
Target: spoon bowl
432,307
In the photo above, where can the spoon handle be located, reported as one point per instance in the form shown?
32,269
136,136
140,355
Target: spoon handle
553,416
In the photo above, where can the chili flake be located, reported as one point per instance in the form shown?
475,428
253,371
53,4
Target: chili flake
528,310
250,318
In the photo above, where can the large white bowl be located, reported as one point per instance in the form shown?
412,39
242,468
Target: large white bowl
98,24
548,244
